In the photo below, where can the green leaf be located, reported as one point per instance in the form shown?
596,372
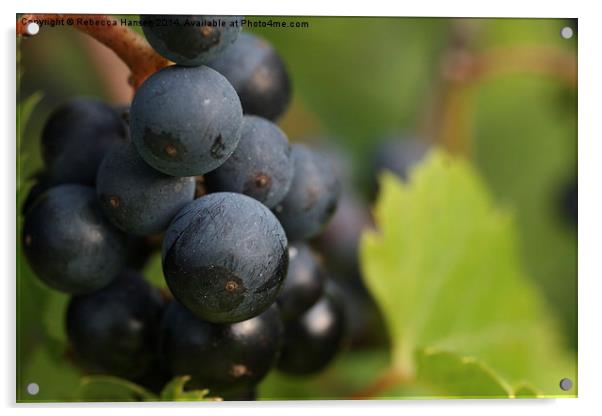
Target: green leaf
444,270
526,391
347,375
46,366
174,391
526,148
112,389
24,109
54,316
154,271
450,375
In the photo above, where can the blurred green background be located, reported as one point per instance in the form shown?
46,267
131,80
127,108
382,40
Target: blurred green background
501,92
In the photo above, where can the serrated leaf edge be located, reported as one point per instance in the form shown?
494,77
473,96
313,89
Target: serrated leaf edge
470,360
174,391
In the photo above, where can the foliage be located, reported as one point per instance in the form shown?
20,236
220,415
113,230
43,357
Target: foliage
444,269
114,389
174,391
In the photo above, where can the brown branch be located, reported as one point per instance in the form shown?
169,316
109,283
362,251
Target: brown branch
380,385
465,68
554,62
127,44
450,110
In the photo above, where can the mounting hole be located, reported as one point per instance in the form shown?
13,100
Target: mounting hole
566,32
33,389
566,384
32,28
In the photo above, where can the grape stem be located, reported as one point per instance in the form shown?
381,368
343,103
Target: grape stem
450,111
131,48
380,385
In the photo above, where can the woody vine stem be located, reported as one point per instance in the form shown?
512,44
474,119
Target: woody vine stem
131,48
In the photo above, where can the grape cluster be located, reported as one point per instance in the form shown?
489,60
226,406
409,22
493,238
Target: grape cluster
396,152
199,170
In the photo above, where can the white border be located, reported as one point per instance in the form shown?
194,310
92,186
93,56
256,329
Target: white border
590,158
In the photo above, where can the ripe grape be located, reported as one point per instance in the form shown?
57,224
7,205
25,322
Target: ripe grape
185,121
260,167
339,242
137,198
76,137
398,154
312,341
190,40
304,283
313,195
225,257
115,330
258,75
220,357
69,244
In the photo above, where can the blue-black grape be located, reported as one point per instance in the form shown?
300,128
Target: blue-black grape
190,40
222,358
115,330
313,340
237,395
238,301
365,326
313,195
137,198
339,242
258,75
398,154
225,257
304,283
185,121
42,184
569,202
260,167
140,249
68,242
76,137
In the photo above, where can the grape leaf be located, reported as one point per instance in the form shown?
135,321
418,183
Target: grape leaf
349,373
450,375
46,366
444,270
526,391
174,391
54,315
24,109
515,120
154,271
112,389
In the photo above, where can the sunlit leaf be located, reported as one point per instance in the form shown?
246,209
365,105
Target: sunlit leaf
174,391
526,391
450,375
112,389
444,270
